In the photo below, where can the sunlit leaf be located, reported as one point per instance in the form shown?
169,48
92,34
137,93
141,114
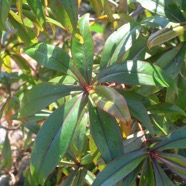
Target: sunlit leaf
135,73
111,102
118,43
82,50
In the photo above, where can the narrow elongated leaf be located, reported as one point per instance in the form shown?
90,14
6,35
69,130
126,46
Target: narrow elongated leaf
165,34
166,108
7,153
66,12
118,43
4,11
176,139
53,139
147,176
82,50
38,9
119,168
111,102
163,8
54,58
159,175
135,73
42,95
138,109
175,162
24,31
106,133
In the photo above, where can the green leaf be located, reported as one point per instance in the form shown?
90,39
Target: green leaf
137,109
163,108
176,139
82,49
163,8
111,102
38,9
106,133
54,58
175,162
133,142
160,176
24,31
69,180
119,168
7,153
166,34
80,177
66,12
4,11
53,139
135,73
147,176
42,95
118,43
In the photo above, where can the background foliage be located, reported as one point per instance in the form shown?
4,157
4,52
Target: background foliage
97,90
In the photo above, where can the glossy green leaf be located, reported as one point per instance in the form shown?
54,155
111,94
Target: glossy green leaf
106,133
66,12
96,155
38,9
69,180
7,153
165,34
111,102
159,175
80,177
82,50
147,176
138,109
163,108
164,8
175,162
53,139
42,95
133,142
24,31
80,141
118,43
119,168
176,139
135,73
52,57
4,11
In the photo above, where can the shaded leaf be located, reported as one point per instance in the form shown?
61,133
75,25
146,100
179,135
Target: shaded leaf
159,175
119,168
7,153
53,139
175,162
42,95
106,134
4,11
176,139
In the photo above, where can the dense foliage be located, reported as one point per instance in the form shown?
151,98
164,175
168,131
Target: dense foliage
94,113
